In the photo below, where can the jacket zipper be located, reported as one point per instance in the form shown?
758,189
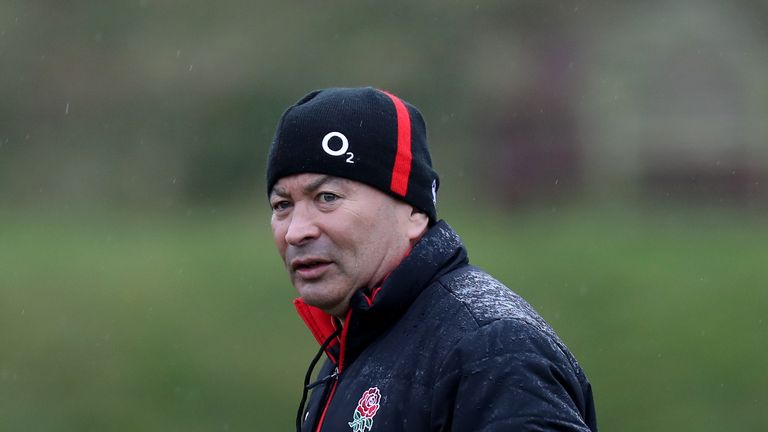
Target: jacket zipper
336,375
335,378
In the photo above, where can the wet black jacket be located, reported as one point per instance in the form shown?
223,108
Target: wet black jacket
443,346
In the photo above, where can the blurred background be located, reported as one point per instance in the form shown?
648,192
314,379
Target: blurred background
606,160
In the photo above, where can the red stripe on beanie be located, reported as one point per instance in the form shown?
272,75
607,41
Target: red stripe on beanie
401,171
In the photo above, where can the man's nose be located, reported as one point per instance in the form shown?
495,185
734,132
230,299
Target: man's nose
303,226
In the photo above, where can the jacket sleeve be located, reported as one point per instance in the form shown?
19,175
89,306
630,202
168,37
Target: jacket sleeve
510,375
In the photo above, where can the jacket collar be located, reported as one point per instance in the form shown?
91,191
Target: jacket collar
439,251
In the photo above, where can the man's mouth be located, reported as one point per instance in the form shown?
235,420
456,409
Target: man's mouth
310,268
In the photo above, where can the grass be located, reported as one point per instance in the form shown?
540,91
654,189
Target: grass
183,322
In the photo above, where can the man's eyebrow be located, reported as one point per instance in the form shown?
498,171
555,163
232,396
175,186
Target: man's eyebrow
313,186
309,188
277,190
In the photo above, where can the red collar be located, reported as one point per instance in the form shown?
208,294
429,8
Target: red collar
322,326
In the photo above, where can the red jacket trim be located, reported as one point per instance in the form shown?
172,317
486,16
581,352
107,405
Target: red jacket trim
320,324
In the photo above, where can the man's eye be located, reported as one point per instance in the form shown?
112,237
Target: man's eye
280,205
328,197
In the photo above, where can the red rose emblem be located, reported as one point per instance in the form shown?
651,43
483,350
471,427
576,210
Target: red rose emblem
366,408
369,403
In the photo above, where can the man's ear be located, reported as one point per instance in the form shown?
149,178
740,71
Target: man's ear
417,224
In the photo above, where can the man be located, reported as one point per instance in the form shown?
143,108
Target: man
415,338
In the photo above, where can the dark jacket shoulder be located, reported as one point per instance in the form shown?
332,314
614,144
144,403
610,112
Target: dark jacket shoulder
508,368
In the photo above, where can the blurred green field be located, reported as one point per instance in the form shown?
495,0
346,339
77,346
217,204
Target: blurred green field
182,321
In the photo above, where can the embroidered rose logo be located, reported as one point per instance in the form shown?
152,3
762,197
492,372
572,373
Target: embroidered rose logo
366,409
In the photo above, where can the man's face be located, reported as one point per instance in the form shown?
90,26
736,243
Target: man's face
337,235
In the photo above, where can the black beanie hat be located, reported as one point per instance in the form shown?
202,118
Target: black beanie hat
362,134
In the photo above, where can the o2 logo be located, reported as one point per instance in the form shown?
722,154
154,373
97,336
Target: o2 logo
341,150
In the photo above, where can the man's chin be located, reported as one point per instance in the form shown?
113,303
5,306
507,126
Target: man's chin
318,297
334,309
